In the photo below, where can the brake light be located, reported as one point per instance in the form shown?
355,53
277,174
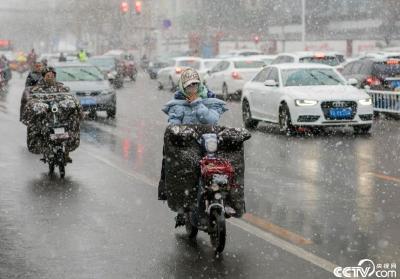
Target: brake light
236,75
373,81
392,62
319,55
178,70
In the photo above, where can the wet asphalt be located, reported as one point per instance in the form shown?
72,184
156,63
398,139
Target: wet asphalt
338,192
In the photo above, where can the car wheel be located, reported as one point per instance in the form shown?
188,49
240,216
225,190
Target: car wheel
285,121
362,129
225,94
111,112
249,123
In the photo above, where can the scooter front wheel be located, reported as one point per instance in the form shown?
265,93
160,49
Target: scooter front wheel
218,231
51,168
190,229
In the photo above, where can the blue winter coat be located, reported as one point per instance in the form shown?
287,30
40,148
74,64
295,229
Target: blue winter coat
200,111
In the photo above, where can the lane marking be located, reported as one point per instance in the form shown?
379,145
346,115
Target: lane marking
284,245
276,230
386,177
245,226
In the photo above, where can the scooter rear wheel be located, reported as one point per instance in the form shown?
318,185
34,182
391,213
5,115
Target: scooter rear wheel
218,231
190,229
62,170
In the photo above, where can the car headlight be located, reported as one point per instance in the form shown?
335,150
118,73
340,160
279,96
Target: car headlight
305,103
365,102
211,144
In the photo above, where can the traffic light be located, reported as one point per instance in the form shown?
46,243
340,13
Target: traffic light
138,7
256,39
124,7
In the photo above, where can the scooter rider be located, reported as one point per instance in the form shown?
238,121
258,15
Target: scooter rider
192,104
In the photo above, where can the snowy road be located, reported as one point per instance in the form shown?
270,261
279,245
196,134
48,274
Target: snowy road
313,202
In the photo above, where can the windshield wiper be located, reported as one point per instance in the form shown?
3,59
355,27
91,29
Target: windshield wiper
90,74
314,77
330,76
69,74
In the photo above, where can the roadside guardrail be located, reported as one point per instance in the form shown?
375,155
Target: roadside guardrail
385,101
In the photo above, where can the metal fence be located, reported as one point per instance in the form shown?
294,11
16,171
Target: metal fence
385,101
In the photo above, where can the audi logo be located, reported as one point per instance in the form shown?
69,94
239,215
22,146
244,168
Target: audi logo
339,104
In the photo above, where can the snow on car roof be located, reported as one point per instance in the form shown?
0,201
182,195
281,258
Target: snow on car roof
286,66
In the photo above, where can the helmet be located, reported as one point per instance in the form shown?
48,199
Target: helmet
188,77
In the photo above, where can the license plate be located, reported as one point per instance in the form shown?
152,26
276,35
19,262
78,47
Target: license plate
59,136
88,102
59,131
340,113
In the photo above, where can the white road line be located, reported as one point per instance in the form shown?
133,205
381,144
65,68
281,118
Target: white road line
284,245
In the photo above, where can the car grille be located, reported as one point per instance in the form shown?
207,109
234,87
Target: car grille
307,118
366,117
88,93
326,106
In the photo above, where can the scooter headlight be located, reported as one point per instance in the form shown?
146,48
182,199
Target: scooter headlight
217,196
210,142
54,108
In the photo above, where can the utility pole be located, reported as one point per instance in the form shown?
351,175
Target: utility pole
303,24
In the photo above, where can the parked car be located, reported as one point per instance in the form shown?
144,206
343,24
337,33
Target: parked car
305,95
89,85
156,65
376,73
267,59
168,77
229,75
327,58
244,52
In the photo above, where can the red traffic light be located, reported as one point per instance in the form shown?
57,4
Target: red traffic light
138,7
256,39
124,7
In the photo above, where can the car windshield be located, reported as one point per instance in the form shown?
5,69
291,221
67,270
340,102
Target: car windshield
327,60
103,63
310,77
78,74
385,69
210,64
249,64
195,64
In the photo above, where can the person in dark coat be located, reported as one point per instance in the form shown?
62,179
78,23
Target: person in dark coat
35,75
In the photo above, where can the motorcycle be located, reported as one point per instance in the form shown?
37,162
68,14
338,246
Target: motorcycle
3,82
55,134
130,70
116,78
217,181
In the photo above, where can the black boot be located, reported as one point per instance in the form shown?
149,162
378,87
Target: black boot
162,195
180,220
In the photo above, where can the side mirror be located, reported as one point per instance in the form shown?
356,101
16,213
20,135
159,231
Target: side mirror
270,82
208,72
352,82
